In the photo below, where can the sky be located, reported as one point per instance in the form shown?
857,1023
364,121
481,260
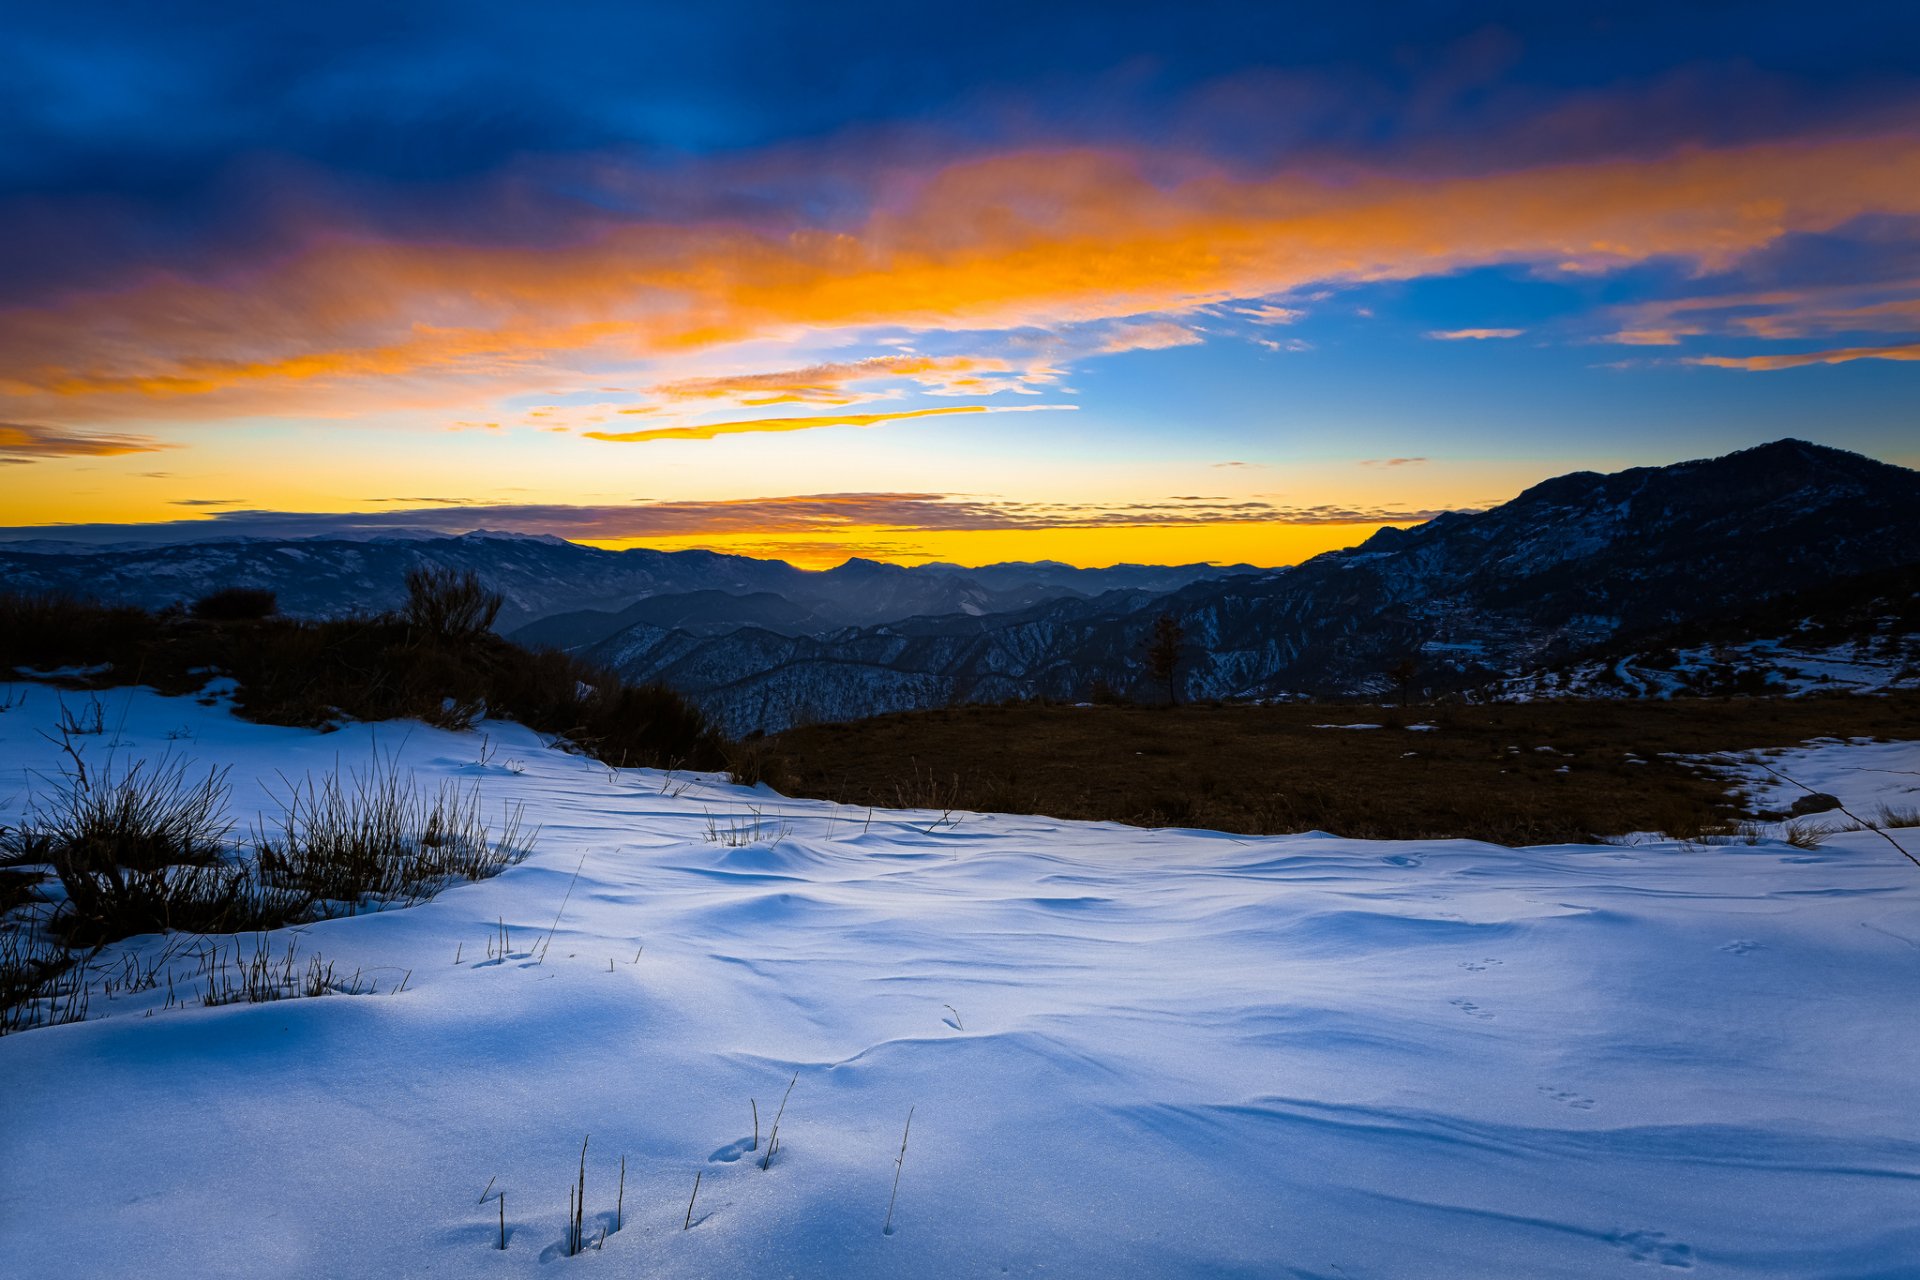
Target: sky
1084,282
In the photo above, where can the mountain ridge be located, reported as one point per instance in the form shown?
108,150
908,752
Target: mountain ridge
1570,563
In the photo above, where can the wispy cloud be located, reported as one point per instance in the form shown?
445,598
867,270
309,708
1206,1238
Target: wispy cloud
828,383
829,513
1472,335
1795,311
27,442
1146,335
711,430
1392,462
1268,313
1801,359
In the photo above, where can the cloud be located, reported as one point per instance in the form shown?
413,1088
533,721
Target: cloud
350,316
1267,313
827,383
1393,462
1146,335
1800,359
1794,311
709,430
772,516
27,442
1463,335
206,502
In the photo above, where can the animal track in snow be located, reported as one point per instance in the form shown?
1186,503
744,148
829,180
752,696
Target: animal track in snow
1740,946
1469,1008
1578,1101
1653,1247
1478,966
732,1151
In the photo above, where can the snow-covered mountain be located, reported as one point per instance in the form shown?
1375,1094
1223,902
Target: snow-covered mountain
1859,635
1468,598
574,590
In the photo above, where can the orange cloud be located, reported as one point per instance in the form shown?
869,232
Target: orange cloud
1466,335
1796,360
1024,239
23,441
827,383
708,430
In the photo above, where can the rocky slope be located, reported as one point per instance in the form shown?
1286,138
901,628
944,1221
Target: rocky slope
1575,562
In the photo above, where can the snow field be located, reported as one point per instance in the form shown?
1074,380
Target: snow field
1154,1053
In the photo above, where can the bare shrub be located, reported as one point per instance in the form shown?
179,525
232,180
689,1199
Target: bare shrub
142,848
1802,834
39,984
450,604
1892,815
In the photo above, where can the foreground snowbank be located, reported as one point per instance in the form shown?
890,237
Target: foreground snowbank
1131,1052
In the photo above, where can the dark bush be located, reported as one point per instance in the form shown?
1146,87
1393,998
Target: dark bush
236,604
60,630
370,667
449,604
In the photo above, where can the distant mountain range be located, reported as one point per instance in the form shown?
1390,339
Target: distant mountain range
1574,563
575,594
1578,576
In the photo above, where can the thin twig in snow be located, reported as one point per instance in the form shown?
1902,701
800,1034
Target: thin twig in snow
562,911
899,1160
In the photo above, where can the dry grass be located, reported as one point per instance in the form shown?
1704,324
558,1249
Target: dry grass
374,837
1514,774
145,847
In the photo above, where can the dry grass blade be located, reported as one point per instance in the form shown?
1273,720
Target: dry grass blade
898,1162
773,1135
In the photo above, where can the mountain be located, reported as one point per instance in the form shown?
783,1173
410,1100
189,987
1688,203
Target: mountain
1575,562
578,591
1858,635
700,613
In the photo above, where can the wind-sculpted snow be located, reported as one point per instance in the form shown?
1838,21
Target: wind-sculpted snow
1130,1052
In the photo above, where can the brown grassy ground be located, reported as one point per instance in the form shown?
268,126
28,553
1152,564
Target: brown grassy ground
1516,774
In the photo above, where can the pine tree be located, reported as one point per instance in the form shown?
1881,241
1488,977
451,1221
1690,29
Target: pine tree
1163,654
